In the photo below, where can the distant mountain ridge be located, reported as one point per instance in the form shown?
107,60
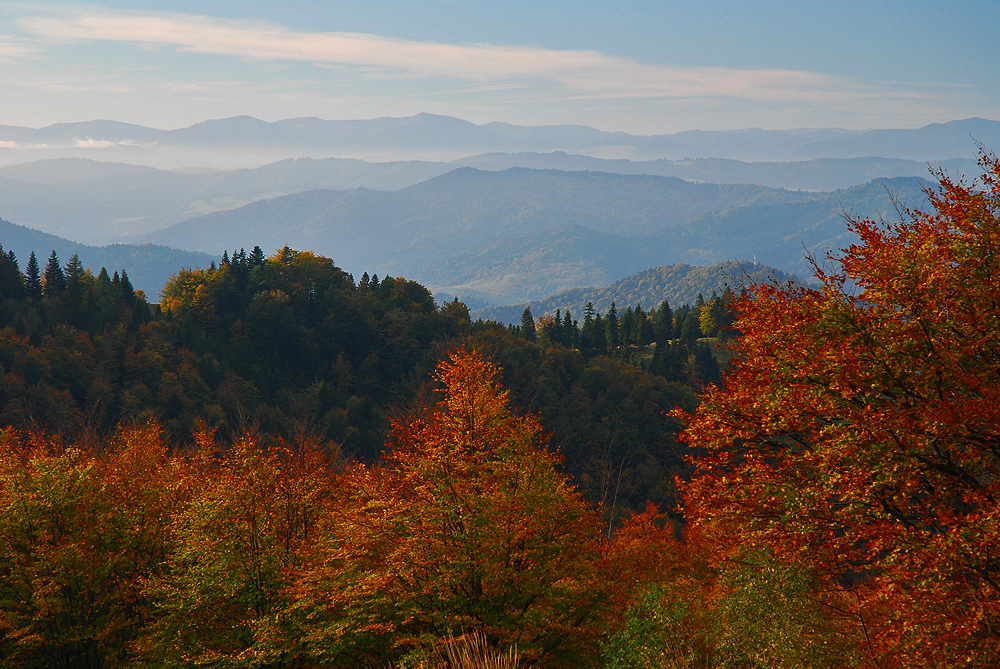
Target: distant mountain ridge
244,140
679,284
520,234
101,202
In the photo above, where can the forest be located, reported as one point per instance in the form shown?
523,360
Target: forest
277,465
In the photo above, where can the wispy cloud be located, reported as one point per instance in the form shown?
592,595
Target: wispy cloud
587,73
11,47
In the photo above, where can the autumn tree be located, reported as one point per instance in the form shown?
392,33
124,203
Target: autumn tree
858,434
80,532
467,527
246,516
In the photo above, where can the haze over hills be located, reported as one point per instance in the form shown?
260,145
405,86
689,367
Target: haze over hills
502,214
96,202
519,234
245,141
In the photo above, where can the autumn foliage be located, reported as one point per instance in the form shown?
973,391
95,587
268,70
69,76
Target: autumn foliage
859,435
466,527
261,552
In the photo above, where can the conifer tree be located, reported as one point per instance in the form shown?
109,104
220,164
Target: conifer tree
11,282
256,257
126,289
569,331
690,328
33,279
611,328
527,325
55,280
664,323
75,274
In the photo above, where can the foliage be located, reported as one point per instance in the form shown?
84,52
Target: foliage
245,520
79,533
467,527
857,436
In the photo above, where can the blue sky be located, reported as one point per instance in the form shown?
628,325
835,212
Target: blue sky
641,67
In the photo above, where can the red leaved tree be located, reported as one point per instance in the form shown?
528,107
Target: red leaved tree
859,433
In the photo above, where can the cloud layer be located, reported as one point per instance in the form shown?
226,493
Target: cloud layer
587,73
75,62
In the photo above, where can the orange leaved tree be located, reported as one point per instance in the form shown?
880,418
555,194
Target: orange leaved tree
467,527
859,434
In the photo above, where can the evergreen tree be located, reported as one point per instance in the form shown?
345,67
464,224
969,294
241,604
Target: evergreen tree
599,337
664,330
569,331
642,328
528,325
33,279
55,280
586,337
705,368
126,289
690,328
11,281
75,275
611,328
625,326
256,257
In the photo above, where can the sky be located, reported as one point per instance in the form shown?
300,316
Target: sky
643,67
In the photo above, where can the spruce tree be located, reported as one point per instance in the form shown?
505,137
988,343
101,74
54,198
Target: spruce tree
691,329
256,257
33,279
55,280
611,328
528,325
569,332
11,282
75,275
126,289
664,323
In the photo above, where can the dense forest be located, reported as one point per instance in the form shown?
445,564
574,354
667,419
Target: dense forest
280,466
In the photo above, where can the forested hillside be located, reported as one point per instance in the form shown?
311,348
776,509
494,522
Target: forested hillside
281,466
676,284
292,344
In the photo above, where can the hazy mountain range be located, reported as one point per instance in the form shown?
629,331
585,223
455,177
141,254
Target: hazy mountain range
492,213
518,235
245,141
96,202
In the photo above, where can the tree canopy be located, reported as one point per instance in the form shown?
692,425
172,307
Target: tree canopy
859,433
